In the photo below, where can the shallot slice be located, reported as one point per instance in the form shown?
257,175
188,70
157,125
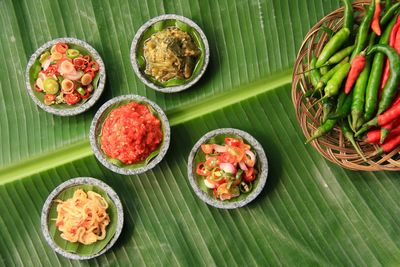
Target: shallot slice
219,148
243,166
227,167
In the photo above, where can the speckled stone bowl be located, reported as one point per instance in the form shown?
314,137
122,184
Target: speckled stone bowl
97,124
139,36
262,164
64,109
76,182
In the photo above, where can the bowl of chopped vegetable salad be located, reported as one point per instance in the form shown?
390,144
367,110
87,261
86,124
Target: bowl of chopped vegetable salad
227,168
65,76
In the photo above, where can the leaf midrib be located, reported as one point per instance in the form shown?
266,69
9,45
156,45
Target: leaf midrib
80,150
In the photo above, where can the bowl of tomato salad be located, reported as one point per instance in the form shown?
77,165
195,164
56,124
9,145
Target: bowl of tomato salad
227,168
130,134
65,76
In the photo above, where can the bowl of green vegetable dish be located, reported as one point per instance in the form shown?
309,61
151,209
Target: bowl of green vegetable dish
65,76
169,53
130,134
227,168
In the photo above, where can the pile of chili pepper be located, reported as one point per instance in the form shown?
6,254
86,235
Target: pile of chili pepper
356,77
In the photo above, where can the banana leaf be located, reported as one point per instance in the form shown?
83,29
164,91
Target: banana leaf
311,212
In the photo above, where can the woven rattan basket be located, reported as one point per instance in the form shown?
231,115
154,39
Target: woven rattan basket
332,146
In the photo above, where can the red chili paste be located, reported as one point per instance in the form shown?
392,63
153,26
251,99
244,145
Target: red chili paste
130,133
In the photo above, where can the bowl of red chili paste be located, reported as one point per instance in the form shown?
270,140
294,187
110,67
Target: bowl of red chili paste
130,134
227,168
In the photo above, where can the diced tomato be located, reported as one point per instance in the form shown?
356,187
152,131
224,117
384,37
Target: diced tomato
49,99
211,162
201,169
249,175
73,98
51,70
61,48
207,148
232,141
236,152
223,192
227,157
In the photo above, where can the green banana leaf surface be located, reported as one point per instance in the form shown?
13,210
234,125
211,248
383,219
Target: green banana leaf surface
311,212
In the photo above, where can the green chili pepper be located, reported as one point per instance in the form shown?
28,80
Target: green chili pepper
348,14
327,76
339,56
388,5
374,81
392,83
314,72
389,14
327,106
324,69
72,53
344,107
333,45
363,31
326,127
348,134
333,85
81,91
357,105
238,174
245,187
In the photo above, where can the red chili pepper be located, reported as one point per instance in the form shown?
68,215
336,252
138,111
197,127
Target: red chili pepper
51,70
390,144
86,95
73,98
61,48
79,62
87,58
396,44
357,65
90,72
389,115
93,65
375,20
392,43
386,129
